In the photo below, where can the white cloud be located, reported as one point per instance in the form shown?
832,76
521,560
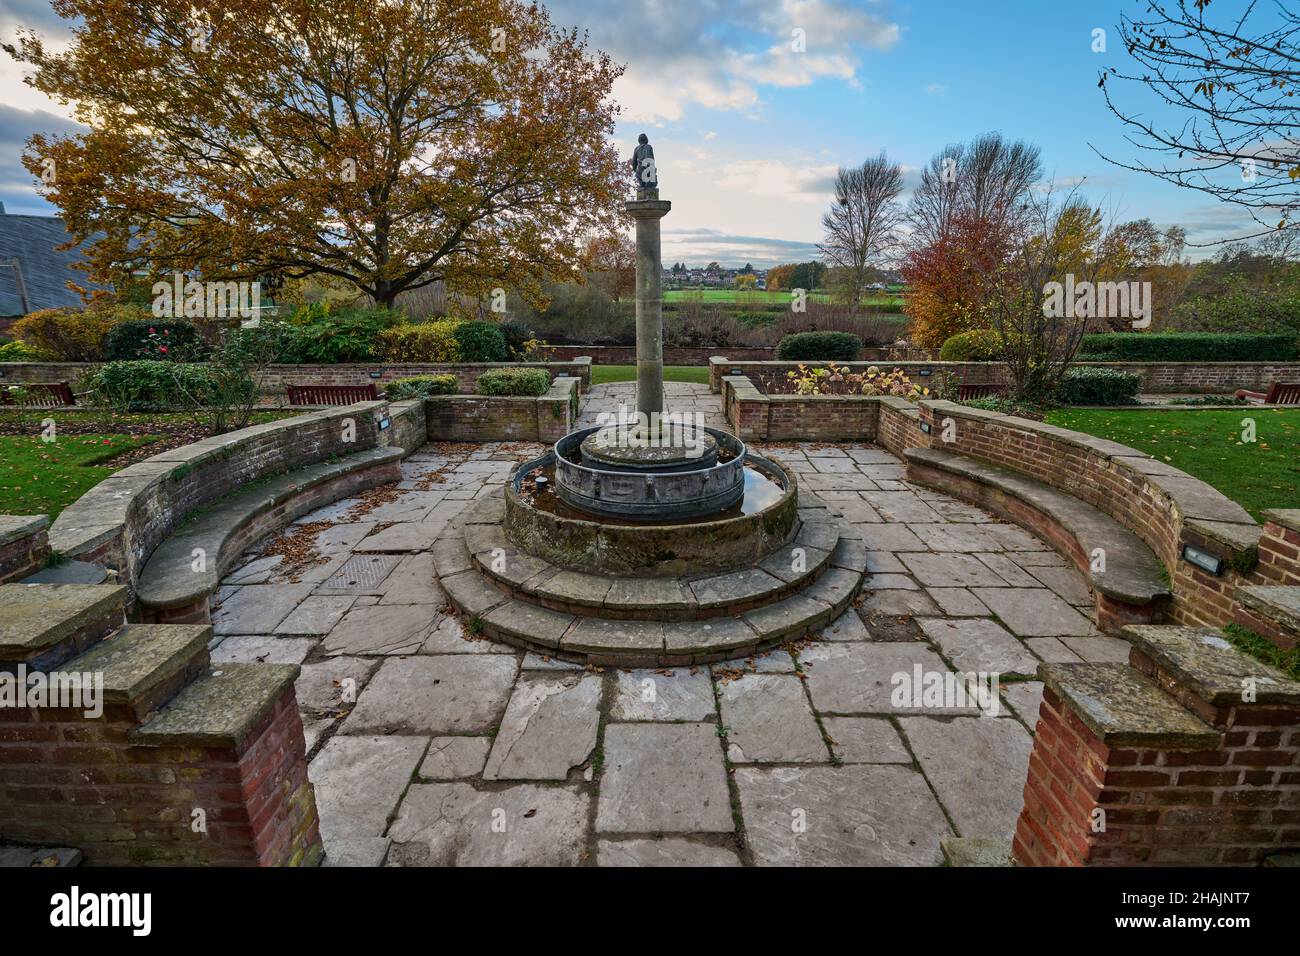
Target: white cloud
769,177
936,89
720,55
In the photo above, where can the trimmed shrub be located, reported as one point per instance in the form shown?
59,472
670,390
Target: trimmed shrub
979,345
329,338
424,342
1188,347
480,342
514,381
420,386
1098,386
819,347
135,339
21,352
147,385
67,335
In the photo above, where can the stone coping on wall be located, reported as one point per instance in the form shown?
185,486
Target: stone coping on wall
121,520
544,418
1169,378
276,377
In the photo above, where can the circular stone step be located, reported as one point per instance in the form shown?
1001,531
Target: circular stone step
595,638
704,596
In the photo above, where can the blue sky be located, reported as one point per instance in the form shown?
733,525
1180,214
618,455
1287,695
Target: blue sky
748,131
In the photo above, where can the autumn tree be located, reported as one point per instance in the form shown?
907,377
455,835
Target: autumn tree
862,225
778,277
612,261
943,278
389,144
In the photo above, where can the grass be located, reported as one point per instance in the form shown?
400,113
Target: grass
604,374
41,478
1261,648
1209,445
763,297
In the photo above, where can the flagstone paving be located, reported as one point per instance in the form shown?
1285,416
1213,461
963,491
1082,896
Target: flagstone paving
432,746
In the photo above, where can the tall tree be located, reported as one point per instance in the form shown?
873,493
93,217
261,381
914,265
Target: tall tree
613,264
863,222
1230,78
390,144
989,177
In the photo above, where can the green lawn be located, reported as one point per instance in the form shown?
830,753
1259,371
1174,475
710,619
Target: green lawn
763,297
603,374
1209,445
41,478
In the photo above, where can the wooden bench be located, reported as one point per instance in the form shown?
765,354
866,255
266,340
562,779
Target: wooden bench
1279,393
332,394
41,395
173,588
1127,584
980,390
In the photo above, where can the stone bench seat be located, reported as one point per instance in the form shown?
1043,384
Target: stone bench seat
1131,584
186,568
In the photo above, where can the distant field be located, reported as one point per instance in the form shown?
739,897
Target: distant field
764,298
603,374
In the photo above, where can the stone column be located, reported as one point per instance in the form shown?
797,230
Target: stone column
649,304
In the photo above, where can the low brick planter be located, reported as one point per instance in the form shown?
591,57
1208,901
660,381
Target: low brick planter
1157,377
478,418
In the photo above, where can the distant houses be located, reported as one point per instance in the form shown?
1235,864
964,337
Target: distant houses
34,271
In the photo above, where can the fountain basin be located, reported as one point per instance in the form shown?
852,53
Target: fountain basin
680,545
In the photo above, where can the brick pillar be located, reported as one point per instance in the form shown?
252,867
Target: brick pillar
1188,755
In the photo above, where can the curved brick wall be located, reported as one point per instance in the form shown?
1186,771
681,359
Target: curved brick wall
122,519
1163,506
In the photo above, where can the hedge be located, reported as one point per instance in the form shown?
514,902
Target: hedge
418,386
514,381
480,342
979,345
1188,347
1099,386
819,347
425,342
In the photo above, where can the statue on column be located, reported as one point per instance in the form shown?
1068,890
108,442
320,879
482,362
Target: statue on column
642,164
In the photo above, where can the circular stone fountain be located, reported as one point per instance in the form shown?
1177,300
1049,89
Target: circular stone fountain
651,542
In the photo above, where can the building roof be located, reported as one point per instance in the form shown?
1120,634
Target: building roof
46,270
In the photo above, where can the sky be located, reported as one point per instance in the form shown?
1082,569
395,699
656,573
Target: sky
752,105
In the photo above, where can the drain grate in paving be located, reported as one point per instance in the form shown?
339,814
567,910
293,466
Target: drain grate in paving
361,573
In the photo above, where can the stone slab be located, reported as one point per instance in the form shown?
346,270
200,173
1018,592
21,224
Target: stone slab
663,778
669,851
979,644
453,824
865,740
359,781
549,727
444,694
452,758
316,615
768,720
263,649
840,816
1034,612
394,629
851,678
676,694
977,766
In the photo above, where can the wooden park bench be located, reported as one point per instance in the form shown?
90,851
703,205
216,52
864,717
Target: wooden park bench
40,395
1279,393
332,394
980,390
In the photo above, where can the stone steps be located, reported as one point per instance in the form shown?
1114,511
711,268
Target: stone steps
220,708
781,574
145,665
1271,610
44,625
597,639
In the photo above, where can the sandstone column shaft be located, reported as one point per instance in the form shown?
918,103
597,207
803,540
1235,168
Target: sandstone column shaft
649,304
